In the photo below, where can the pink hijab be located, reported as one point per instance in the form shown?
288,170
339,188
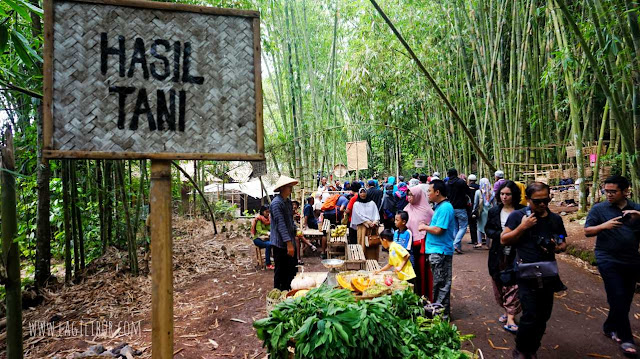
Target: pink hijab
419,212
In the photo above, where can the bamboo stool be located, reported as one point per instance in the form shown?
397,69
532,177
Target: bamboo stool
259,257
336,247
326,225
372,265
355,257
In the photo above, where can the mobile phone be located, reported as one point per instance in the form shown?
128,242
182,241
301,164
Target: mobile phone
528,212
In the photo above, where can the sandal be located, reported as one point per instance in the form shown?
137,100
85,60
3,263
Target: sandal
300,263
503,318
613,336
511,328
629,350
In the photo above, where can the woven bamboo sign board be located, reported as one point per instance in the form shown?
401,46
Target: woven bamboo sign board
138,79
357,156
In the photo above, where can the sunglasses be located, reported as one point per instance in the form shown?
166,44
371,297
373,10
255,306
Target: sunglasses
538,202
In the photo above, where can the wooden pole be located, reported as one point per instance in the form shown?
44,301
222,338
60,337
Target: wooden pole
161,260
10,251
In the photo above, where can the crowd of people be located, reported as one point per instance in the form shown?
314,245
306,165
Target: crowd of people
422,223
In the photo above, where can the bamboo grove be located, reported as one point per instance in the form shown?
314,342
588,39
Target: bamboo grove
529,78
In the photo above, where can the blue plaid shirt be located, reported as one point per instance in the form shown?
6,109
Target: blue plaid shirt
283,229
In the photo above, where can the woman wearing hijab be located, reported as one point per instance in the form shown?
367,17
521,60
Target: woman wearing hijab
388,209
365,219
484,200
420,211
401,196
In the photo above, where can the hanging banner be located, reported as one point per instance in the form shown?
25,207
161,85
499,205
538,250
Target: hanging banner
138,79
357,156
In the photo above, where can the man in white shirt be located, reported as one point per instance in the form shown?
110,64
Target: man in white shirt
322,193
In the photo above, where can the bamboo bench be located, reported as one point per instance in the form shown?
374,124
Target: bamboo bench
355,257
372,265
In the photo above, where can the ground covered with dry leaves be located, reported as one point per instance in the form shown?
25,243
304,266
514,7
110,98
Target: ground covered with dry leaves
217,295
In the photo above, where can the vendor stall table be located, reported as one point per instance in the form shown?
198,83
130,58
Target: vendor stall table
314,235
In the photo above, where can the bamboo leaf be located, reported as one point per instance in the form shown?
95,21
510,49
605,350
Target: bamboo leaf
23,12
20,49
27,47
33,8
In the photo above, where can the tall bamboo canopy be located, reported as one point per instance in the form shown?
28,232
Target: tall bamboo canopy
528,78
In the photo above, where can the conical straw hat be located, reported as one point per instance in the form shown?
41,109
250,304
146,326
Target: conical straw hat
283,181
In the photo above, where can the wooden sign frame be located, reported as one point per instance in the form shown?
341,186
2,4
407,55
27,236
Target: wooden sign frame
48,120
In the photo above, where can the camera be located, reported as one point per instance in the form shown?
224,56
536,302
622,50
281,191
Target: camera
549,244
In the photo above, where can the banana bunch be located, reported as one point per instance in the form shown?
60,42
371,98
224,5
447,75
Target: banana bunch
340,231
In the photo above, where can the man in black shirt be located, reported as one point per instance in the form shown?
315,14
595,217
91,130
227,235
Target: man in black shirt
616,225
458,191
536,234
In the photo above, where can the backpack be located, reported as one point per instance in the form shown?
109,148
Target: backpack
330,203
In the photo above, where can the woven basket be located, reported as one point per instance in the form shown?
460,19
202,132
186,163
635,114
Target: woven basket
588,172
576,196
605,172
555,174
271,303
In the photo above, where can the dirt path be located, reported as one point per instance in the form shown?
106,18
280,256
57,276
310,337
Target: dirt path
575,327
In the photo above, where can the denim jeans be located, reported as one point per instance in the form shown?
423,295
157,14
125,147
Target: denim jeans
267,249
442,269
619,283
461,225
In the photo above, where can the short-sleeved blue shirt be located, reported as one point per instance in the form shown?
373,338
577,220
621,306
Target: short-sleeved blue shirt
443,217
312,222
404,239
342,201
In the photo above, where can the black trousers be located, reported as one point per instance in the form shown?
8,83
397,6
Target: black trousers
620,284
353,236
473,228
285,268
537,304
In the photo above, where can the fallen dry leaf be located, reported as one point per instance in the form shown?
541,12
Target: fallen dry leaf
495,347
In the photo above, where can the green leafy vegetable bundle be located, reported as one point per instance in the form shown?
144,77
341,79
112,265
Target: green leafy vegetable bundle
330,323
